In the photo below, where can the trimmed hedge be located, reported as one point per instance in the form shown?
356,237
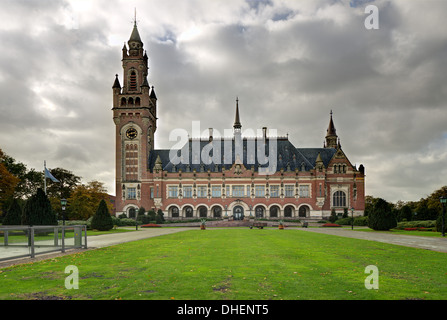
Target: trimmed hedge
416,224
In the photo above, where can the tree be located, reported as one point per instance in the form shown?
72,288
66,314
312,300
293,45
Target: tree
160,217
382,217
102,220
405,213
29,180
85,198
8,183
13,215
38,211
333,216
62,189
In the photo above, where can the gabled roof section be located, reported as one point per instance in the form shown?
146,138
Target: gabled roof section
288,157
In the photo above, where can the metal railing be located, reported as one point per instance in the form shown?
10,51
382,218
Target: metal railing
29,241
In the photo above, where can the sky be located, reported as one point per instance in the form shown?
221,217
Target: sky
289,62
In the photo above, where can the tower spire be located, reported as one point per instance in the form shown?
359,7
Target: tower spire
237,121
331,136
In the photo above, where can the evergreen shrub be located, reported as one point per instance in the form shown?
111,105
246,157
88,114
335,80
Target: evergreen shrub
102,220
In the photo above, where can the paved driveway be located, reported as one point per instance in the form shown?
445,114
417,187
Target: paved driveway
106,240
429,243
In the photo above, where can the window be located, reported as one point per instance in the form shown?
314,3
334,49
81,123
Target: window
202,191
131,162
288,212
133,81
172,191
304,191
152,192
259,212
227,191
339,199
260,191
187,192
174,212
203,211
188,212
274,212
238,191
131,193
216,191
217,212
290,191
274,191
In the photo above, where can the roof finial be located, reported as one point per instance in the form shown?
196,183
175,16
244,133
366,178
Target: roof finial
237,122
135,19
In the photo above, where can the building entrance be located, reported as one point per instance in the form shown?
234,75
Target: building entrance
238,213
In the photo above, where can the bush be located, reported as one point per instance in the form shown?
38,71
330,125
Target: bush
160,217
150,225
13,216
123,222
416,224
333,216
344,221
102,220
143,219
361,221
38,211
330,225
382,217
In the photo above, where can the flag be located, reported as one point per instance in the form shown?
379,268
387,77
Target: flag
49,175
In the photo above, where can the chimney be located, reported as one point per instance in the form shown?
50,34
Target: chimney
264,131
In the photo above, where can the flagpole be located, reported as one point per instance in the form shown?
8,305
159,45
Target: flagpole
44,176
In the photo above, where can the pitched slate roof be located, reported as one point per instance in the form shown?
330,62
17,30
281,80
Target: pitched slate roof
288,157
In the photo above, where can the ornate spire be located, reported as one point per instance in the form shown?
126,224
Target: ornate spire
331,136
331,129
237,121
135,36
116,84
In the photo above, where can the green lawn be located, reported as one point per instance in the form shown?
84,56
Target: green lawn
235,264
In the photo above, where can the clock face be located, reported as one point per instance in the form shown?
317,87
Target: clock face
131,133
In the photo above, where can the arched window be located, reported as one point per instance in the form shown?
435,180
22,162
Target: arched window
137,102
303,211
274,212
217,212
133,81
123,101
259,212
188,212
174,212
203,211
339,199
288,212
132,213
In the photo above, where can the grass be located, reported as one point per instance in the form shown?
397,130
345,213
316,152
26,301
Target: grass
235,264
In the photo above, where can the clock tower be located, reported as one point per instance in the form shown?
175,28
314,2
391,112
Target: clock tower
135,117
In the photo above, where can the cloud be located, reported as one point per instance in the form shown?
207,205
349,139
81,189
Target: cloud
289,62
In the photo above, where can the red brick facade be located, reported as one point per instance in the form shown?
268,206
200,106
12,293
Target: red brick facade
306,183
